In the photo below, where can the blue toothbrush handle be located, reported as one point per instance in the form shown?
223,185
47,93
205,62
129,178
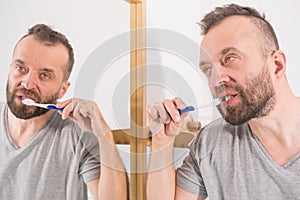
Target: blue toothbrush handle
187,109
53,107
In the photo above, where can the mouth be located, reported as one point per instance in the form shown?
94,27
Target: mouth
21,97
229,99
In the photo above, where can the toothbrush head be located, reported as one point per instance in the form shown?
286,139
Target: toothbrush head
28,102
216,101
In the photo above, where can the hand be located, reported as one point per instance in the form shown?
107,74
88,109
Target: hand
164,119
85,114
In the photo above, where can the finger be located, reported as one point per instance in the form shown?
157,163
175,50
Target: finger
179,103
154,121
183,115
172,110
67,112
156,126
65,116
83,111
149,118
164,115
64,103
152,113
68,107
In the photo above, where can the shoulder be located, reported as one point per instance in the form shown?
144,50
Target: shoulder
68,135
214,135
68,129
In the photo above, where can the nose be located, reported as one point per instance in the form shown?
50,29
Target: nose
219,75
29,81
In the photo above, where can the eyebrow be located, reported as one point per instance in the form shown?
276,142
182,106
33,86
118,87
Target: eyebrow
202,63
47,70
226,50
43,69
20,61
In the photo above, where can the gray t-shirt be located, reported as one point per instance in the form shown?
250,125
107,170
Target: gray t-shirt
229,162
54,165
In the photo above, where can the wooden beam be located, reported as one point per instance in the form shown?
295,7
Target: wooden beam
121,136
138,130
133,1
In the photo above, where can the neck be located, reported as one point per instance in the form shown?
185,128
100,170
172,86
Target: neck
21,131
282,122
278,132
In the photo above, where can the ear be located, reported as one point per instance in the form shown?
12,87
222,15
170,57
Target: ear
279,62
64,88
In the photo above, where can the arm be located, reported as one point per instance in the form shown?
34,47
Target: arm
89,118
161,172
165,123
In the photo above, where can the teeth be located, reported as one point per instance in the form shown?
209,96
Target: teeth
228,97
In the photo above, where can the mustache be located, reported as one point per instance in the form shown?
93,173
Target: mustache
30,93
220,89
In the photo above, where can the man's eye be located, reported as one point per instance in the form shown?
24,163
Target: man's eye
45,76
20,68
206,70
229,59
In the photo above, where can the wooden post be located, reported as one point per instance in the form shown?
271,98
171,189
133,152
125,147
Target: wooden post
138,136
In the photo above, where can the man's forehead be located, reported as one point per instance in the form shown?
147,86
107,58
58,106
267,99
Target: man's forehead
229,28
229,34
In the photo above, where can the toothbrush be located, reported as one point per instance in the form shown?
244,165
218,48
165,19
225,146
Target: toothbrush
214,102
30,102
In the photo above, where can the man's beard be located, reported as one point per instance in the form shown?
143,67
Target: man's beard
23,111
257,99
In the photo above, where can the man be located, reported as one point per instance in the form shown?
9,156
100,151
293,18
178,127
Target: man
253,151
49,154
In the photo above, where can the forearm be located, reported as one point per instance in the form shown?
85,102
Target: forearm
161,173
164,122
113,183
86,114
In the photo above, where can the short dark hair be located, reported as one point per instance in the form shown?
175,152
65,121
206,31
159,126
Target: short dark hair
216,16
44,33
